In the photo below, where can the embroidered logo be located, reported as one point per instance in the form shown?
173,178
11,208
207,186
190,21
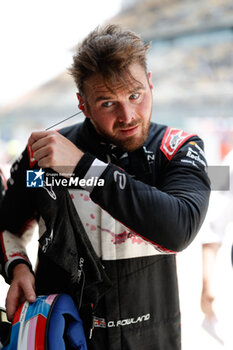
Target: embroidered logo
120,178
48,241
80,269
128,321
150,155
173,139
50,191
99,322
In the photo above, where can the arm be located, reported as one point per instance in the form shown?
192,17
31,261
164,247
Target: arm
17,207
168,215
19,203
22,288
209,253
218,217
17,218
16,213
13,249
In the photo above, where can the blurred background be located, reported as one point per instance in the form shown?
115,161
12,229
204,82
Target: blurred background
191,59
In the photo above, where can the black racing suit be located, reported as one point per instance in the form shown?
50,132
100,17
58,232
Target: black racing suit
143,207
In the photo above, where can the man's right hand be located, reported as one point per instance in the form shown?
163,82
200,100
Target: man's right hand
22,288
207,303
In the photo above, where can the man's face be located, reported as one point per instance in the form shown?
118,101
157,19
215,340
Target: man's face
123,115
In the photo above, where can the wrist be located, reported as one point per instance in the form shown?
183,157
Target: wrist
20,268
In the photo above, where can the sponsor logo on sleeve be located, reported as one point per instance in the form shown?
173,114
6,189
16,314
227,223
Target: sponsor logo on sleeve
173,139
195,156
120,178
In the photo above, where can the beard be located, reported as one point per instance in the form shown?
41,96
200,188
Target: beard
130,143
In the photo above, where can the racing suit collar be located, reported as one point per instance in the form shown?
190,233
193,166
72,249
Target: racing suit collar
102,148
134,162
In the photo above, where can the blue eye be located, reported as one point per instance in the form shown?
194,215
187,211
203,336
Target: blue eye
107,104
134,96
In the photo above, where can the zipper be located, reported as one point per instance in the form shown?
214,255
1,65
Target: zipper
92,322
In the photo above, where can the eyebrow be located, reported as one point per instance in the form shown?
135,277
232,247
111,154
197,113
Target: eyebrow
104,98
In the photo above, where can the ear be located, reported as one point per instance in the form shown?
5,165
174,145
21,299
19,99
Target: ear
82,105
149,75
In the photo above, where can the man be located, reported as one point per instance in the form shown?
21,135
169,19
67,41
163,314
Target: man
148,200
213,234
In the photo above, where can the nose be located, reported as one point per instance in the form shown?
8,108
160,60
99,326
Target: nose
125,113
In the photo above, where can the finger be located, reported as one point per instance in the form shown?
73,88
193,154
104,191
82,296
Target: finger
17,295
46,162
42,153
29,291
12,303
45,140
37,135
